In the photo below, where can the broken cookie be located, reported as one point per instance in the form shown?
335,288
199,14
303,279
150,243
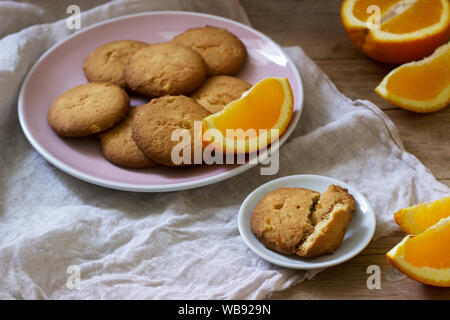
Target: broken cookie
303,222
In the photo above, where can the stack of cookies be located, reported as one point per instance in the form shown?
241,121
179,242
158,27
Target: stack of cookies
185,80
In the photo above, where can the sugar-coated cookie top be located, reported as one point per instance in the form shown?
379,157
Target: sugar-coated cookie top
217,91
223,52
154,124
119,147
87,109
106,63
165,69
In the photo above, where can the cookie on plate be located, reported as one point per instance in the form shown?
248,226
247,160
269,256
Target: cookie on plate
165,69
154,124
87,109
118,146
331,219
217,91
281,219
332,196
223,52
106,63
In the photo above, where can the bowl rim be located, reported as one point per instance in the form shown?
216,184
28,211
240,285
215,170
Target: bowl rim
306,265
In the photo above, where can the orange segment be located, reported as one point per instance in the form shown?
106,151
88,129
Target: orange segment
409,29
418,218
430,249
262,113
425,257
360,8
424,13
422,86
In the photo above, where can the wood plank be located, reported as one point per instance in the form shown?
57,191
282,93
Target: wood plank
357,79
445,181
349,280
427,136
312,24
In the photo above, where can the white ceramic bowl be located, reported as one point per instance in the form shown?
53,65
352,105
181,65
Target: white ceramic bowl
358,235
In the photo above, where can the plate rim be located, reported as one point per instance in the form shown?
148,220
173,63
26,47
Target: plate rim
152,188
305,264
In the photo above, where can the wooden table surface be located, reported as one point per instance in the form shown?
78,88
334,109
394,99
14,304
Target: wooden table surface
315,26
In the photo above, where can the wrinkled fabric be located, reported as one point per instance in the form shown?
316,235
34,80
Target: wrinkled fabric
178,245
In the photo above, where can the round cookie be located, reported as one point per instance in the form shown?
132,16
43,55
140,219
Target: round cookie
118,146
165,69
281,219
223,52
87,109
153,126
106,63
217,91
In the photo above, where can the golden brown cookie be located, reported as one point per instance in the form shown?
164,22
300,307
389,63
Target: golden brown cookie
165,69
217,91
87,109
106,63
154,124
332,217
332,196
328,233
118,146
223,52
281,219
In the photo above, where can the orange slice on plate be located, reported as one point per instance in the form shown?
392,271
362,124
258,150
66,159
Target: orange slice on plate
425,257
418,218
422,86
252,122
406,30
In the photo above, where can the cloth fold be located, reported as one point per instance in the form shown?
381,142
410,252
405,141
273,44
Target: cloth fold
184,244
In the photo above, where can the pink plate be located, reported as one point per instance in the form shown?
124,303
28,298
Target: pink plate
60,69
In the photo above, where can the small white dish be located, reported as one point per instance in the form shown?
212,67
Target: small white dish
358,235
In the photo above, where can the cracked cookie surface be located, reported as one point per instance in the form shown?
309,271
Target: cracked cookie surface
106,63
332,196
87,109
223,52
118,146
217,91
154,123
303,222
165,69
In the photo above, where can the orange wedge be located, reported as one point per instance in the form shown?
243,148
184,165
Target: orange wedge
418,218
407,30
425,257
252,122
422,86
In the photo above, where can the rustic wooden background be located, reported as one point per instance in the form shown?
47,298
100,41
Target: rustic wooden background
315,26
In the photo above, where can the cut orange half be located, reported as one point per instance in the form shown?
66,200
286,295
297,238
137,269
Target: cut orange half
425,257
406,30
422,86
418,218
252,122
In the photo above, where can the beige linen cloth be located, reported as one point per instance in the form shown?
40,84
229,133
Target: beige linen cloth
182,244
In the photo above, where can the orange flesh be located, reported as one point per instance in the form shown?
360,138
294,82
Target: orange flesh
429,249
426,216
262,108
422,81
420,15
360,8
